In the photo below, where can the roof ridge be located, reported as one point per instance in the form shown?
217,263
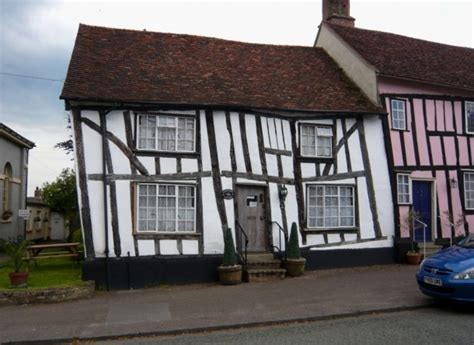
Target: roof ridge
399,35
194,36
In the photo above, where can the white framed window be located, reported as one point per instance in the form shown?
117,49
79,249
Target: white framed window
469,190
398,113
166,133
167,208
469,117
316,141
330,206
404,188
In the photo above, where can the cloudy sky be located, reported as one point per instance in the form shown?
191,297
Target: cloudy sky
37,37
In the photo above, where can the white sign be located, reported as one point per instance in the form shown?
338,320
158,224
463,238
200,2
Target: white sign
24,214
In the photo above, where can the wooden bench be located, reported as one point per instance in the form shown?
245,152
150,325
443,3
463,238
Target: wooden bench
35,252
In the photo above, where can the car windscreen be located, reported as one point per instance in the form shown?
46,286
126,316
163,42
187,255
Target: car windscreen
467,242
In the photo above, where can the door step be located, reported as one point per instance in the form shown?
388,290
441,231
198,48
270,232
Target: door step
431,248
252,275
263,267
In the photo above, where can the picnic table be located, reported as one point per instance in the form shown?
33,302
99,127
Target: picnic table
35,251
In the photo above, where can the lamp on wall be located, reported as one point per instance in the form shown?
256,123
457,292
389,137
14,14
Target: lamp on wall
282,193
453,183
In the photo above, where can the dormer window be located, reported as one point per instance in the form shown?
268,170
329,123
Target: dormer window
398,112
470,117
316,141
166,133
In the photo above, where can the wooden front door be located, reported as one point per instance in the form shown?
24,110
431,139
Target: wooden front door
422,205
251,210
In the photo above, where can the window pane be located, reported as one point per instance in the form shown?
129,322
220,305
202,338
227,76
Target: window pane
469,189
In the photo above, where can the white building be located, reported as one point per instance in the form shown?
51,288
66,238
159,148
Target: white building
178,137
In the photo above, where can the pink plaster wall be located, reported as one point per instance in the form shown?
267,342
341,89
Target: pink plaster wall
441,116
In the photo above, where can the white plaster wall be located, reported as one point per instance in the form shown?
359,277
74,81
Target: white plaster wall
169,247
91,115
96,204
363,245
281,142
167,165
239,154
229,205
190,247
274,140
116,125
380,174
365,215
287,134
125,217
341,156
349,60
92,150
205,155
287,164
148,163
266,141
189,165
251,129
291,207
308,170
213,238
356,155
146,247
222,140
272,164
314,240
276,214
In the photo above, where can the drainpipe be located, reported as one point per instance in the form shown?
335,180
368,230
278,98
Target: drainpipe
104,184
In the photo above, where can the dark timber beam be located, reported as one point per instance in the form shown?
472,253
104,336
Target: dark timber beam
82,177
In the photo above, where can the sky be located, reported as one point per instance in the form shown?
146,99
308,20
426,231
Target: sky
37,38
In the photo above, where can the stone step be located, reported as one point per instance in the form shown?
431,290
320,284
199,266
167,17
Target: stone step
254,264
260,257
263,275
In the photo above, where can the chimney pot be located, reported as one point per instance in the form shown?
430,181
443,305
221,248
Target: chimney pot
38,193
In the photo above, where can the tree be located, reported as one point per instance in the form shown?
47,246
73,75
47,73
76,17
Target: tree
66,145
61,196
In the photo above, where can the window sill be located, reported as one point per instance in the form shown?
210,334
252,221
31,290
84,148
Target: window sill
166,236
331,231
154,153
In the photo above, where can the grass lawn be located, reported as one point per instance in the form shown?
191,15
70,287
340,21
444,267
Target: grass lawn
58,272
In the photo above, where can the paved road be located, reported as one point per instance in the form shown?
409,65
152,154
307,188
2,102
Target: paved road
440,325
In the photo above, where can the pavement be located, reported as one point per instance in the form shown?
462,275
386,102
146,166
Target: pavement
318,295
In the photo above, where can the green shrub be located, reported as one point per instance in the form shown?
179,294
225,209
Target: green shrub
76,236
230,259
293,251
16,251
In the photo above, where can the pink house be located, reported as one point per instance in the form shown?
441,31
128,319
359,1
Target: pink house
427,89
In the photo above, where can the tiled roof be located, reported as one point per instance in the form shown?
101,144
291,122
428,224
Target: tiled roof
139,66
406,57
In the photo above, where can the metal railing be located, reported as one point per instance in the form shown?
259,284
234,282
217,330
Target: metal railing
285,236
243,236
424,234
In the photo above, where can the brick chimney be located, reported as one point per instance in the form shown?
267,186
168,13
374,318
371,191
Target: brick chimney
38,193
338,12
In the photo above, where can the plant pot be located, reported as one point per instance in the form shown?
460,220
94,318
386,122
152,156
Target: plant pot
294,267
18,279
230,275
413,259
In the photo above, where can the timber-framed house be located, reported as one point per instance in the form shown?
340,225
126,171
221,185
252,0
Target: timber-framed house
178,137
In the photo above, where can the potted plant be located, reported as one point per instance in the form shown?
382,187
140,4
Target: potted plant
16,251
230,272
294,263
413,256
7,214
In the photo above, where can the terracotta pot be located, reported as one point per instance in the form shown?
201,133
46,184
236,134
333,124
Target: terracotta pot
294,267
18,279
230,275
413,259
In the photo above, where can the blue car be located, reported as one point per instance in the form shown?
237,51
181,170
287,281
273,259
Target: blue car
449,274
